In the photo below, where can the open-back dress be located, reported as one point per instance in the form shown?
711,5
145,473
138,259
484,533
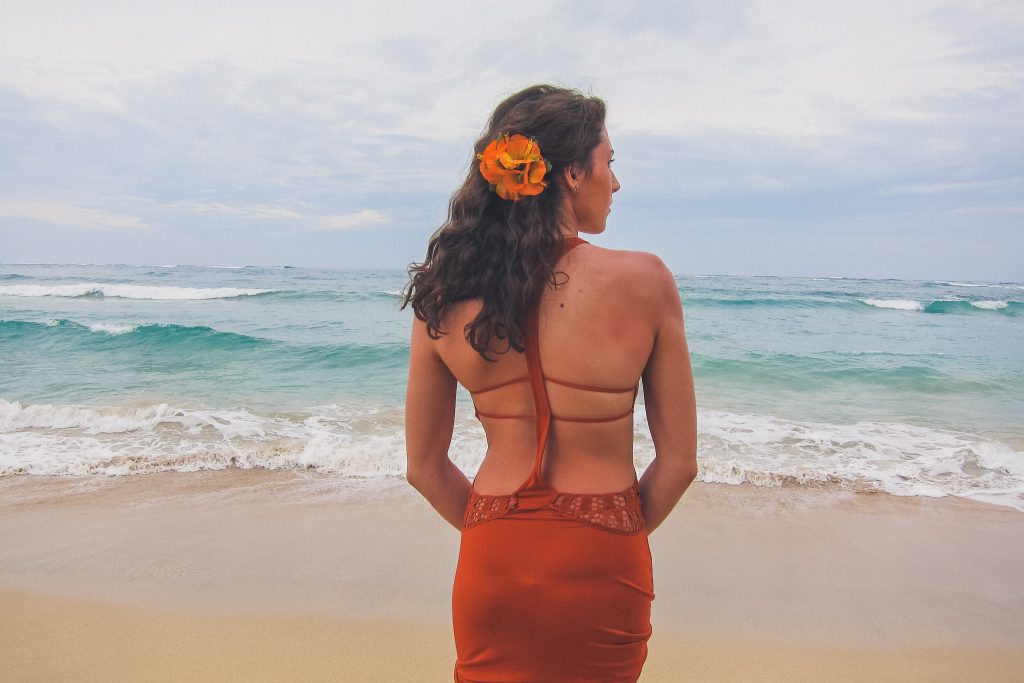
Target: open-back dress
551,586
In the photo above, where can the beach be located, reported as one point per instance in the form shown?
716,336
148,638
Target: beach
298,575
219,224
201,478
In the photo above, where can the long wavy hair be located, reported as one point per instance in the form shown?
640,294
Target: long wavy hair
504,252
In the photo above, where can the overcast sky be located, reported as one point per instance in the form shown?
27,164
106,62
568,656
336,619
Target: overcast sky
770,138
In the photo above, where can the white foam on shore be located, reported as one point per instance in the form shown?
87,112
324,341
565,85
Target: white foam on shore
130,291
894,458
366,440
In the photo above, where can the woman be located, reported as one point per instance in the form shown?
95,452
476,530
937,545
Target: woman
554,581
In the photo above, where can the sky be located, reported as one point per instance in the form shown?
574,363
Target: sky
857,139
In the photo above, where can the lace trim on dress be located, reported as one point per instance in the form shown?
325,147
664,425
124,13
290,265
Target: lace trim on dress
618,512
482,508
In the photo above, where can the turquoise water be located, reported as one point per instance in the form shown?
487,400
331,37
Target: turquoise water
907,387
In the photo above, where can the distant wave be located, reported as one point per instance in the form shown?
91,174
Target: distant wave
827,299
125,291
160,334
1002,285
881,370
815,299
338,295
999,306
696,298
948,306
365,440
989,305
65,336
112,328
898,304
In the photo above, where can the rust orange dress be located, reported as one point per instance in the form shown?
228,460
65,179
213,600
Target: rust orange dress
551,586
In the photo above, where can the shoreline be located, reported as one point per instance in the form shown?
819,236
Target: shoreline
251,564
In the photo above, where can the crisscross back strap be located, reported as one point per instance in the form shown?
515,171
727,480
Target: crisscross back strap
540,392
536,373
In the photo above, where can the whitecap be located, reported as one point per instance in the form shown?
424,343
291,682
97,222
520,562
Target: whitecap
127,291
989,305
898,304
112,329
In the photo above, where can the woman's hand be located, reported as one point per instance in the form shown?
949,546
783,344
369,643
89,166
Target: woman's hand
429,422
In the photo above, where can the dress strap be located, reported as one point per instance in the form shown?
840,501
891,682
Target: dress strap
536,375
540,392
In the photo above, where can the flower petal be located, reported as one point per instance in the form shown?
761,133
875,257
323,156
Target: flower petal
514,167
536,171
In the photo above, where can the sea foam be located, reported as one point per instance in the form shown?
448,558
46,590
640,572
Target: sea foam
366,441
990,305
112,329
129,291
898,304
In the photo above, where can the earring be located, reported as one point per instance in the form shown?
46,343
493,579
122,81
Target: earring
576,188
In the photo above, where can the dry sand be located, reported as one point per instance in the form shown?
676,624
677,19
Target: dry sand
256,575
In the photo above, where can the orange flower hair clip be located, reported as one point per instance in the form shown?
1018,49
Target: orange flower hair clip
513,166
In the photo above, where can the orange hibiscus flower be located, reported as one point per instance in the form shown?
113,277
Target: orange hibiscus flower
513,166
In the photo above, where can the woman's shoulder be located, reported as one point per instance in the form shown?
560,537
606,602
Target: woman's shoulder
628,258
644,268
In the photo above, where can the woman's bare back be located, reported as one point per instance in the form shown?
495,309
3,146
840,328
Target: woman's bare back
597,329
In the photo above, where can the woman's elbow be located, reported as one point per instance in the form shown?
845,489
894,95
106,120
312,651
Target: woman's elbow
415,476
687,471
419,474
690,471
410,477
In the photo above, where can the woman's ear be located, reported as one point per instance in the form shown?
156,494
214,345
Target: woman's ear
571,176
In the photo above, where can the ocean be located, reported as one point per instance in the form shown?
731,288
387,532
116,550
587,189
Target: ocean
909,388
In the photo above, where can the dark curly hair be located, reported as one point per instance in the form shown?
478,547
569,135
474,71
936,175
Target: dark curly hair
501,251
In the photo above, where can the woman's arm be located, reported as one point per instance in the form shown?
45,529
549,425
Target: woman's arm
671,404
429,421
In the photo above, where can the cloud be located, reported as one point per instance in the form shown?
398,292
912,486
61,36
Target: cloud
259,119
60,213
360,219
945,188
256,211
798,70
1017,209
